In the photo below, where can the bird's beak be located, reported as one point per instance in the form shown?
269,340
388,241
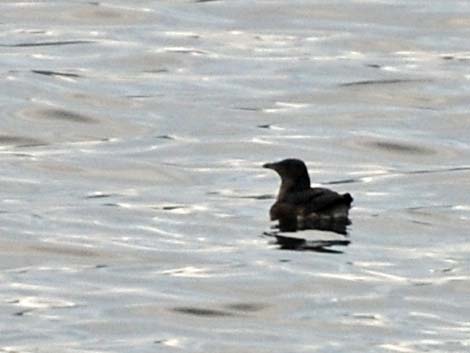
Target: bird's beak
270,166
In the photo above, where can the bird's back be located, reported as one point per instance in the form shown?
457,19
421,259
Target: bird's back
315,200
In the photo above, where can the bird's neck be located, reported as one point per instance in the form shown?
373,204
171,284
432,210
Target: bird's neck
293,185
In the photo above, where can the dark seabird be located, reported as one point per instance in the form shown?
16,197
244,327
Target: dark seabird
299,206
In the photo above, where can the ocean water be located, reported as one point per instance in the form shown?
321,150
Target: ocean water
133,205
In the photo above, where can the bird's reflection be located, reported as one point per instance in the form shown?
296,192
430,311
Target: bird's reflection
294,243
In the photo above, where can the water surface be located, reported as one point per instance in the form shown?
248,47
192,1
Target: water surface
133,202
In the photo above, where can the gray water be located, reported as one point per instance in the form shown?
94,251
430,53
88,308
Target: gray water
132,198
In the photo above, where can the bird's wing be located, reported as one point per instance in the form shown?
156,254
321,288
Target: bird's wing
315,199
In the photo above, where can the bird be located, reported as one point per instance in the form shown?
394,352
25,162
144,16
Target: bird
298,206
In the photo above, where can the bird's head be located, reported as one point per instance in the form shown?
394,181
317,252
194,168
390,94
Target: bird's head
293,173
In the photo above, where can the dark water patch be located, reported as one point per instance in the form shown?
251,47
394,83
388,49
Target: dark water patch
400,147
54,73
140,96
422,284
427,108
165,137
24,155
428,210
246,307
99,196
22,312
452,57
447,270
34,145
188,310
342,181
445,170
20,141
421,223
156,71
172,208
362,316
33,31
64,250
380,82
250,109
235,196
169,207
255,197
187,51
416,208
66,115
47,44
